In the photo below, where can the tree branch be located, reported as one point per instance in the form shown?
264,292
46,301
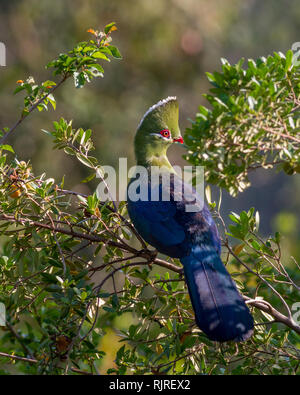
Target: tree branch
32,360
268,308
32,108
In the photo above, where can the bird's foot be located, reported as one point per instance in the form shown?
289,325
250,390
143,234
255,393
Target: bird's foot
150,255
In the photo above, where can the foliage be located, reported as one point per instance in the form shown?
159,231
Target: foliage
254,121
81,63
71,266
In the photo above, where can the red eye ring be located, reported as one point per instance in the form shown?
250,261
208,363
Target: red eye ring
165,133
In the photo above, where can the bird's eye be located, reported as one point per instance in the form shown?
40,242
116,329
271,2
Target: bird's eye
165,133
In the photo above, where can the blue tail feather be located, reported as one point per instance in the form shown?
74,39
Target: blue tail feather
220,310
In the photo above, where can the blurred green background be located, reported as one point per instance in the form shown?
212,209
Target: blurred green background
167,45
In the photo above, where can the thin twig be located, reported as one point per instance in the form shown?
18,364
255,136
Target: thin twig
31,360
32,108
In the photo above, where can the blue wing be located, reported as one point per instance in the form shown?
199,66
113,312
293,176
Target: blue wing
167,226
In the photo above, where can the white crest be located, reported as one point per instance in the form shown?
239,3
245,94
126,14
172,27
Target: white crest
158,104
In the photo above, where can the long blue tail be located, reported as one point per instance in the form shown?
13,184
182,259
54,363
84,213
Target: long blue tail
219,308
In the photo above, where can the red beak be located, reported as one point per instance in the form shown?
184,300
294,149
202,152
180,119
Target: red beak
179,140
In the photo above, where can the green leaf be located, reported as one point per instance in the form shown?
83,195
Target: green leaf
51,98
288,60
115,52
86,161
19,89
7,147
108,27
100,55
255,245
89,178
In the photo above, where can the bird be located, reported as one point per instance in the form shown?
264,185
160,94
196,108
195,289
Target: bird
191,236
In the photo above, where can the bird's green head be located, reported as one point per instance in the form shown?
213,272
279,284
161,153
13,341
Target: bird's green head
157,130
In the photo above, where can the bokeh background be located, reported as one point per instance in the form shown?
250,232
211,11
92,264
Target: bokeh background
167,45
